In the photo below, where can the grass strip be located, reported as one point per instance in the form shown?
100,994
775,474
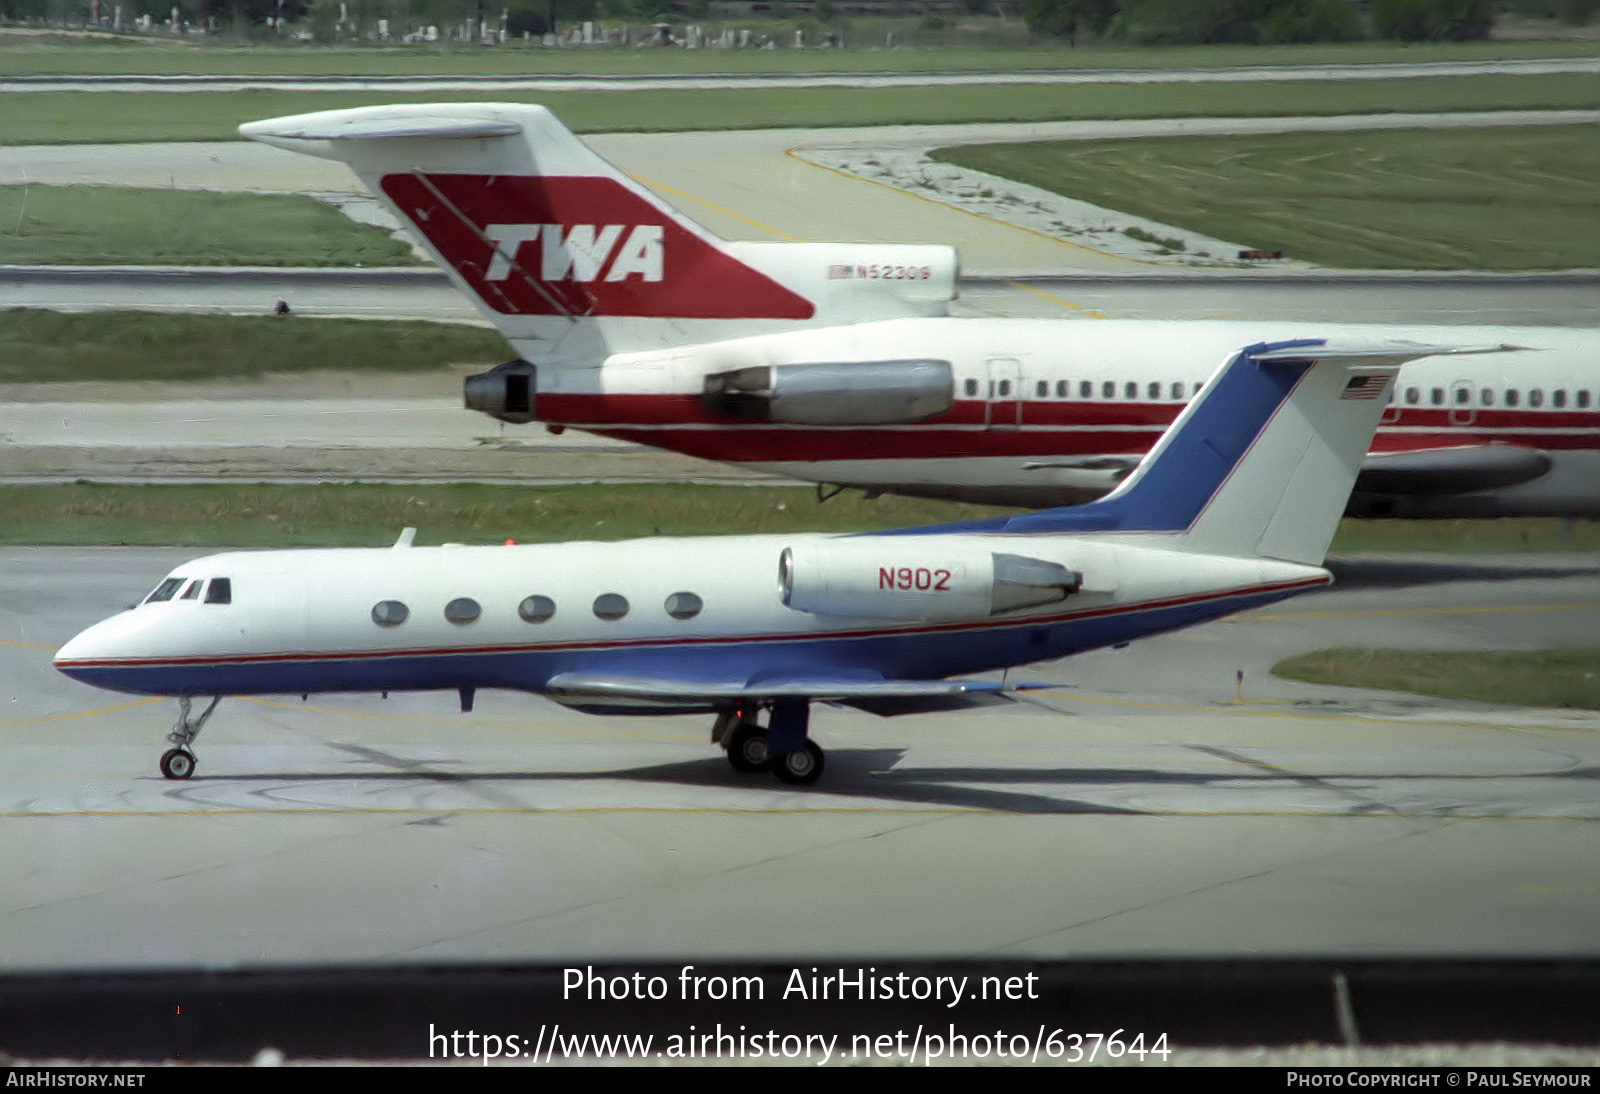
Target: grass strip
89,117
329,515
72,55
372,515
1542,678
106,225
1495,198
43,346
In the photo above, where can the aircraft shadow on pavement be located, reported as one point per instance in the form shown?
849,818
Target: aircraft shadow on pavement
874,773
1392,573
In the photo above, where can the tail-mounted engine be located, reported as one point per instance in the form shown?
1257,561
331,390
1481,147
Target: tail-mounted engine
879,578
833,392
506,391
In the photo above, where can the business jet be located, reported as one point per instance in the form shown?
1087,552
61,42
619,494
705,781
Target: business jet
1233,508
840,363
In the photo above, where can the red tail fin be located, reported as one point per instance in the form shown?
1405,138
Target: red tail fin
581,246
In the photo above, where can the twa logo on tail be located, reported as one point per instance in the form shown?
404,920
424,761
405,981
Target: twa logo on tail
533,245
581,254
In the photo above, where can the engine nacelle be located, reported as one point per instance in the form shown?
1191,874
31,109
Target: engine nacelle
893,578
506,391
834,392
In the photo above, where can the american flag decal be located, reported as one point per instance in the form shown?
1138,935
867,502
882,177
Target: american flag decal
837,273
1364,387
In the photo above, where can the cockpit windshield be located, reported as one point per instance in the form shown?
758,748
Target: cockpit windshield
165,590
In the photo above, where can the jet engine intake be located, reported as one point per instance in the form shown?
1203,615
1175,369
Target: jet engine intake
834,392
874,578
506,391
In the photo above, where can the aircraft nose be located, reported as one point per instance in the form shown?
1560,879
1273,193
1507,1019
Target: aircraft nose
106,640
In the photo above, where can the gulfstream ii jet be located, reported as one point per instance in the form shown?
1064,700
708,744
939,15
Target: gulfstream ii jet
1234,508
840,363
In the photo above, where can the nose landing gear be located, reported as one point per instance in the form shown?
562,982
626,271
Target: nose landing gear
179,763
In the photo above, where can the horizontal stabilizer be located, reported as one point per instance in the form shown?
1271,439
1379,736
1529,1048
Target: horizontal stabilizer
333,127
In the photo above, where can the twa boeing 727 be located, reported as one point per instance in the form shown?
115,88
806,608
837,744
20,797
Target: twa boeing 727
1234,508
839,363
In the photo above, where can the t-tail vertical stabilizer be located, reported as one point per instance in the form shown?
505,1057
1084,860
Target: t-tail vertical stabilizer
573,260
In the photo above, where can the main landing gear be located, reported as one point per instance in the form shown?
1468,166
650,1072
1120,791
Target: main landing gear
782,747
178,763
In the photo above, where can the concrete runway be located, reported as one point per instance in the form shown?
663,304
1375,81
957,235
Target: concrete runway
1538,299
1141,812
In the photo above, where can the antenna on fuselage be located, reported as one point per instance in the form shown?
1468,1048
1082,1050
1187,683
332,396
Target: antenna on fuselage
406,536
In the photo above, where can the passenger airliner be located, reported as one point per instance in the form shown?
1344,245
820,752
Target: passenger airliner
1232,509
839,363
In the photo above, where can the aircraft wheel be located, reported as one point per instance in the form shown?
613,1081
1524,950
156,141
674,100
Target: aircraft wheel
177,763
801,767
747,749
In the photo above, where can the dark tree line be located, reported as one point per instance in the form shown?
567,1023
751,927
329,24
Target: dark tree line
1198,21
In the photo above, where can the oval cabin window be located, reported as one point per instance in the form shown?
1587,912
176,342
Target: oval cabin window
536,609
610,606
463,609
389,613
684,605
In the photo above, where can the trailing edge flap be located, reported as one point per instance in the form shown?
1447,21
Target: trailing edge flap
588,689
1460,470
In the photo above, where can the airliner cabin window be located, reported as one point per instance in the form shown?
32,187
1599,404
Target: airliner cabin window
1042,389
970,387
1085,389
1154,390
610,606
1005,388
1582,401
1488,396
684,605
1436,396
1177,390
1511,396
537,609
1063,389
165,590
1463,396
1413,396
220,591
1108,390
461,610
192,591
389,613
1130,390
1558,398
1536,398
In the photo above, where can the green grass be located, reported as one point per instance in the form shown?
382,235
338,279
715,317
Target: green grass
252,515
255,515
45,346
72,55
85,117
1545,678
97,226
1518,536
1509,199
